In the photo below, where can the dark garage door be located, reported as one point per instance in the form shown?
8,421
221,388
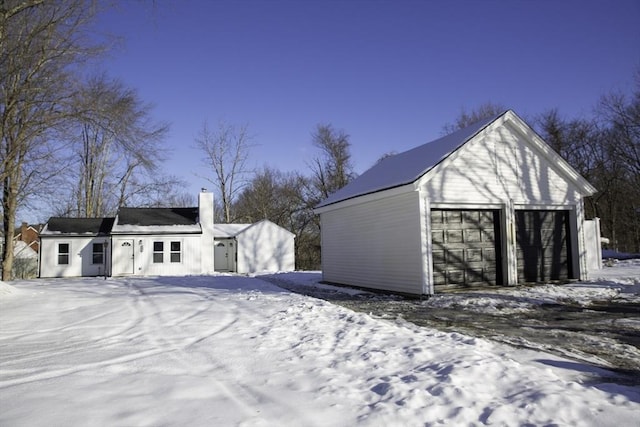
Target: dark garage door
465,247
543,245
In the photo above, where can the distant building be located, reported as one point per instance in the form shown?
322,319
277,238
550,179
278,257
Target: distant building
161,242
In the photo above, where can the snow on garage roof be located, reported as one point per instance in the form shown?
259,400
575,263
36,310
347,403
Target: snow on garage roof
405,168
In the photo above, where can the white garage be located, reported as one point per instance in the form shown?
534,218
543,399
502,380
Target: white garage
491,204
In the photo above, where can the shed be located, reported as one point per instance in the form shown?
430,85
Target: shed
252,248
490,204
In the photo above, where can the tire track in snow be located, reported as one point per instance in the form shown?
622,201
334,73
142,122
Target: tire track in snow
169,333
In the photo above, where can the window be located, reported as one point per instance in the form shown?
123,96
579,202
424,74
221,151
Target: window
98,253
176,255
63,253
158,252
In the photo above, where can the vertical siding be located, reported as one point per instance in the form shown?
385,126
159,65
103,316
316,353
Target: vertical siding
80,257
265,246
190,262
498,168
375,244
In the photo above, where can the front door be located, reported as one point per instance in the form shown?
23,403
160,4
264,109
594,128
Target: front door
123,257
224,255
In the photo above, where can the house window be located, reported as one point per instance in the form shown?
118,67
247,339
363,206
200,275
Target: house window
63,253
176,252
98,253
158,252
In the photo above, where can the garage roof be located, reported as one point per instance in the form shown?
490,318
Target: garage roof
405,168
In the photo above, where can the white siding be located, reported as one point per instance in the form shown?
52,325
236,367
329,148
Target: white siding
80,257
375,244
190,256
265,246
593,245
499,168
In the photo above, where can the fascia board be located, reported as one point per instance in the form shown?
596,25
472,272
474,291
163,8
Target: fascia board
382,194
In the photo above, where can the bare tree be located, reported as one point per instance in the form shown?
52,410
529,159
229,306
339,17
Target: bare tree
464,119
41,43
116,145
226,151
332,169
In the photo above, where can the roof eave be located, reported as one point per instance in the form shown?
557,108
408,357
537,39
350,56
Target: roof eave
364,198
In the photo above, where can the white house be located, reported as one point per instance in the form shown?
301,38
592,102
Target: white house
162,242
491,204
253,248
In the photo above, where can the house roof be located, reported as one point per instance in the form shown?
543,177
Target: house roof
157,216
80,226
229,230
405,168
233,230
157,220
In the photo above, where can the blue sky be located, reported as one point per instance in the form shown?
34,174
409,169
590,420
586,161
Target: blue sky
389,73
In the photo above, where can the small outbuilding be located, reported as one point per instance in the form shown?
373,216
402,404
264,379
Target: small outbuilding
491,204
252,248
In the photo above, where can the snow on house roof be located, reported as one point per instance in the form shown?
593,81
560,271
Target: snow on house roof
405,168
229,230
157,220
77,226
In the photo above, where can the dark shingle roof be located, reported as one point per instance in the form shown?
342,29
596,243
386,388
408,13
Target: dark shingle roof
157,216
93,226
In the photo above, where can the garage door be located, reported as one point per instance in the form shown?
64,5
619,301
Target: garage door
465,247
543,245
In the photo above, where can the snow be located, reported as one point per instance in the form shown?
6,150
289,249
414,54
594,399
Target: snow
229,230
620,284
155,229
231,350
405,168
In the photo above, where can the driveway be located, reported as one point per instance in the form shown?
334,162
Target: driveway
596,323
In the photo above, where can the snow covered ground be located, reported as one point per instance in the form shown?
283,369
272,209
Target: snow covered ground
239,351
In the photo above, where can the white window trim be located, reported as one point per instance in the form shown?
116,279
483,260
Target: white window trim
58,253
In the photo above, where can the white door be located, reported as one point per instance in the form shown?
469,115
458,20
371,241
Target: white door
223,255
123,261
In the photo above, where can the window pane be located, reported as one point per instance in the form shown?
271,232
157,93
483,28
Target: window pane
63,253
175,256
158,246
175,246
157,257
98,253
